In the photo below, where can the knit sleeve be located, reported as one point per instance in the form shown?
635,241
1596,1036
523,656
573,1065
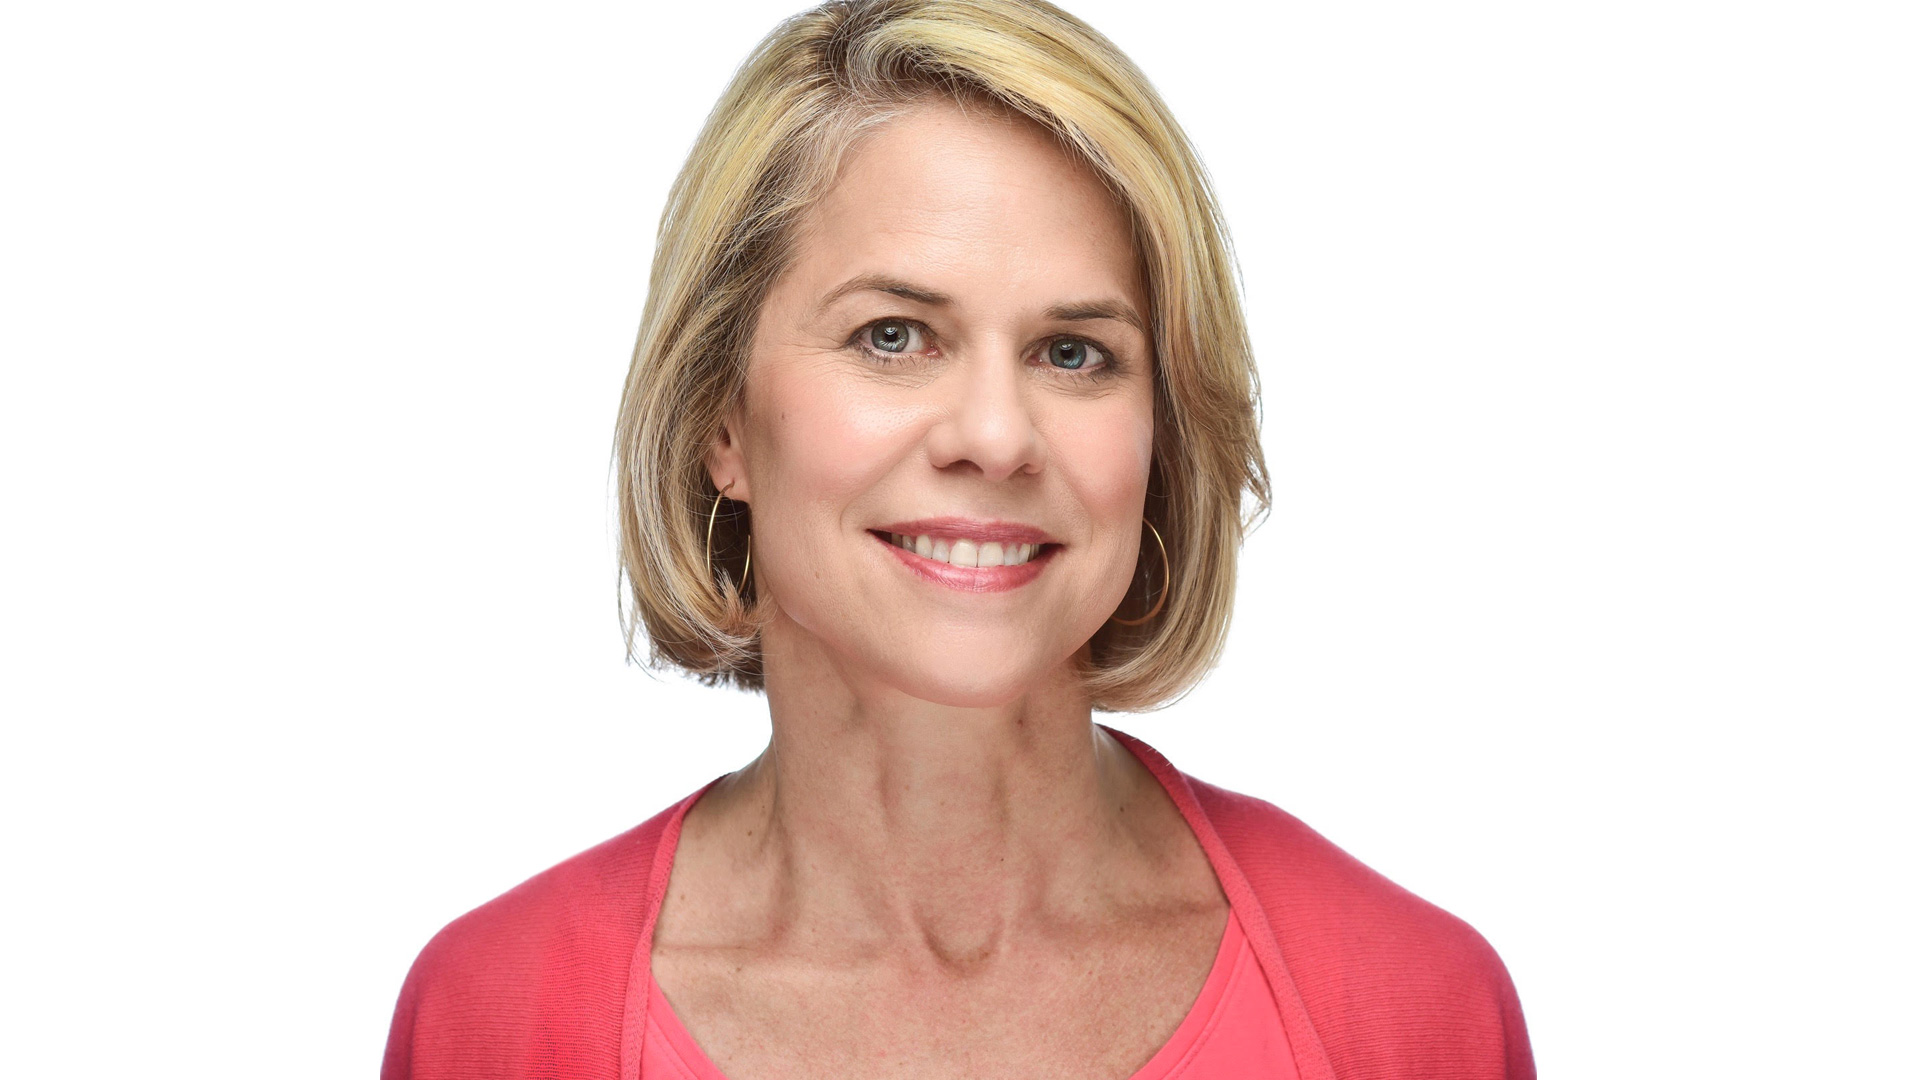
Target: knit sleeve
1394,986
532,985
398,1062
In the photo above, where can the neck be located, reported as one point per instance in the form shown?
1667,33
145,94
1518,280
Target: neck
875,815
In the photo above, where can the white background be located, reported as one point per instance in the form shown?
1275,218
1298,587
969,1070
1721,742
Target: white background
1587,609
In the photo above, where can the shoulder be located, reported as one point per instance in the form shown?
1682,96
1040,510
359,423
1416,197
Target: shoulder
1394,985
1304,879
534,981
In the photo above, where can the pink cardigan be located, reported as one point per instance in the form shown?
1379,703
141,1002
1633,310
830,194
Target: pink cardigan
551,980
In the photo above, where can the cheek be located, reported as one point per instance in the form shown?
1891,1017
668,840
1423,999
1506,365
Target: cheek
816,439
1127,460
1108,468
1106,456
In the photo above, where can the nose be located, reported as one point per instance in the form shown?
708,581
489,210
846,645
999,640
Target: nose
987,419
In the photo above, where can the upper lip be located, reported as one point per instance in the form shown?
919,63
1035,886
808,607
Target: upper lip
979,530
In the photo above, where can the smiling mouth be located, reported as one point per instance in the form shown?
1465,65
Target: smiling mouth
970,564
966,553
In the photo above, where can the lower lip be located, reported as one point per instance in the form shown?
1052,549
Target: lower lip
979,579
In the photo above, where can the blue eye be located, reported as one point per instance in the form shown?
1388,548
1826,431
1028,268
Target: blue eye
894,336
1072,354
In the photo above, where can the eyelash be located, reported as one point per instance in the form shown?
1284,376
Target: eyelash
1109,368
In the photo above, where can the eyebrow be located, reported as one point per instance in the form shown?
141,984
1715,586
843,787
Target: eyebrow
881,283
1087,311
1096,310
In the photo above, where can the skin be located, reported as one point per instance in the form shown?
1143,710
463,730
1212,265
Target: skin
940,867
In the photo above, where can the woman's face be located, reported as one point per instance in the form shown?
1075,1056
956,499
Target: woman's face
958,361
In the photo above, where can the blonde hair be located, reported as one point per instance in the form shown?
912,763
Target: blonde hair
770,148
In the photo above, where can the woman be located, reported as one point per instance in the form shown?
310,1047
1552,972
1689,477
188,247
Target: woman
938,432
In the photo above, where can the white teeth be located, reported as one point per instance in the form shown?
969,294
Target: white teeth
966,552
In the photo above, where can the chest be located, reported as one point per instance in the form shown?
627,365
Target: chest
1095,1009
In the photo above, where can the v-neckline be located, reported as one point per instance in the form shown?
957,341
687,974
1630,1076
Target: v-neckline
1232,950
1230,956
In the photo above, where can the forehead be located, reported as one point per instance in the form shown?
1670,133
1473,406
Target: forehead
968,196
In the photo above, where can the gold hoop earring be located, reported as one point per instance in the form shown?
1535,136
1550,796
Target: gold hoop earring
711,514
1166,577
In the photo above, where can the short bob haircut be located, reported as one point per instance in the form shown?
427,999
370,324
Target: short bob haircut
771,147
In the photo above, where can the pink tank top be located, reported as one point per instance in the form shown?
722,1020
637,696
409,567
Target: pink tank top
1232,1031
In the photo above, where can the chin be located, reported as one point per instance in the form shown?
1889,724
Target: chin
975,682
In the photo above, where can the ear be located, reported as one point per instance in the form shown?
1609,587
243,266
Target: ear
727,461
